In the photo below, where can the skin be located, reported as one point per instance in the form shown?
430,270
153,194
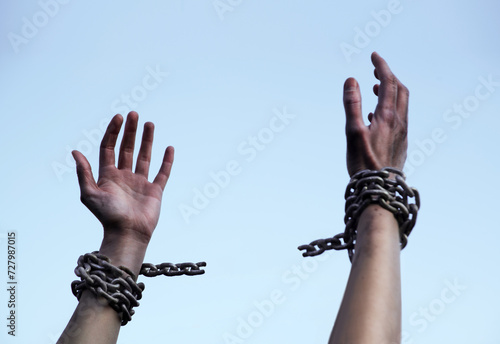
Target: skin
128,206
370,311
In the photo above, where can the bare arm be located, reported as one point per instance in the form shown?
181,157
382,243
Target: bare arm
128,206
371,308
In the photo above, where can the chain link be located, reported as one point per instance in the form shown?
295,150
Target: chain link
117,284
368,187
169,269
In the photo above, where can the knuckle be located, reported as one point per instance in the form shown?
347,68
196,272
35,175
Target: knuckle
128,149
143,158
391,80
390,118
351,102
351,97
403,91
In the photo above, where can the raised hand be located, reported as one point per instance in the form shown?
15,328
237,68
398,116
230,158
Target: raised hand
371,308
383,142
126,203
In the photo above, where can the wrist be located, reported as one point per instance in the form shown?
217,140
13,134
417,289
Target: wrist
129,233
124,250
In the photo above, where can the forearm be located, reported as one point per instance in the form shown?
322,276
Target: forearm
371,308
94,321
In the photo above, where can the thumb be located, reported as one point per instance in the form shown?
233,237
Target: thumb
352,106
84,173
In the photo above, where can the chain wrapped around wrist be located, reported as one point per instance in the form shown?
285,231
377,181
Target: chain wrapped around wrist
117,284
371,187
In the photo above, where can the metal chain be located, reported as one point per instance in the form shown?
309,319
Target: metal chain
368,187
117,284
169,269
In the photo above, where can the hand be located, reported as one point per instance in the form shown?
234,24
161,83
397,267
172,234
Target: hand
126,203
383,142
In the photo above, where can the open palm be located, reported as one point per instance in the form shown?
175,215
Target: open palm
123,201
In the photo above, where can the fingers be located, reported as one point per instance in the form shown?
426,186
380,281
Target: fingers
126,156
352,106
388,89
84,171
402,104
166,166
393,95
144,157
107,149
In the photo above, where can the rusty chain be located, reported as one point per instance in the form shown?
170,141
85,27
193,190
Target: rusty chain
117,284
368,187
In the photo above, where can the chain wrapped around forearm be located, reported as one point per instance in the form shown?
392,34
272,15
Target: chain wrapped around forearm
117,284
371,187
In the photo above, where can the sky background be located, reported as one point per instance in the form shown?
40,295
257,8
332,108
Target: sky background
210,75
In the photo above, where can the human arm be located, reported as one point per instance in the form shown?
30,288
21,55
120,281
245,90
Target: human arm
128,206
370,311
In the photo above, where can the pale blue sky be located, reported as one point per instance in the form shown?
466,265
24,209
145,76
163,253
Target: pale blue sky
210,81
